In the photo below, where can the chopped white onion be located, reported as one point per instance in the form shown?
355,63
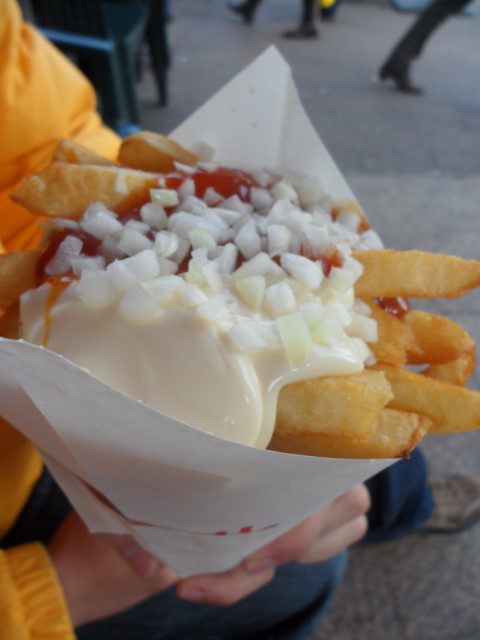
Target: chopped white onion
227,259
132,241
61,262
280,299
211,197
110,250
251,291
138,306
139,268
282,190
138,225
164,197
187,188
166,244
99,222
213,277
340,280
154,215
260,265
82,263
235,204
362,307
95,289
310,190
203,150
295,338
278,239
185,168
302,269
279,211
363,327
167,267
260,198
322,331
248,240
371,240
318,240
182,252
338,314
201,238
349,219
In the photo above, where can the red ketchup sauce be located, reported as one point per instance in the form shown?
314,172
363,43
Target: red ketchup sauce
394,306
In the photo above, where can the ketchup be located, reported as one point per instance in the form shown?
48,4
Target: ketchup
90,248
394,306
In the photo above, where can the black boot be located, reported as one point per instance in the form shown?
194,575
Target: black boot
245,9
399,73
305,30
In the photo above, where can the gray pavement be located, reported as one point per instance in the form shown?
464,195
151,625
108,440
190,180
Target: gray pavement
414,163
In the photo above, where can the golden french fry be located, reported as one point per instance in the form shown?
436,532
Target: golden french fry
153,152
66,190
17,274
10,322
74,153
415,274
437,339
333,405
452,409
394,337
351,205
456,371
395,435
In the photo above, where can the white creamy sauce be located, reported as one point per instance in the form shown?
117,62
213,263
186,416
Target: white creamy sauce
179,364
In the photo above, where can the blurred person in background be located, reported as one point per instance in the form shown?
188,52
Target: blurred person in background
306,28
397,66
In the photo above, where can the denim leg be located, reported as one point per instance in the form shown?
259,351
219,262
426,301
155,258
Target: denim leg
401,499
288,608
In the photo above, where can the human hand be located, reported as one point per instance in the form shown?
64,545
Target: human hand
320,537
103,574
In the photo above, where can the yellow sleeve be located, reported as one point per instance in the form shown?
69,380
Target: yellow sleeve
32,605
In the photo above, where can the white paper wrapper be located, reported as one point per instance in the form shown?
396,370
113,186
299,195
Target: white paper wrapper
198,502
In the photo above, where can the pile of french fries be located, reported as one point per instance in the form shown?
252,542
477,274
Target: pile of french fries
382,412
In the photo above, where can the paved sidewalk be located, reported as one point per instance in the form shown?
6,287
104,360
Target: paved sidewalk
414,163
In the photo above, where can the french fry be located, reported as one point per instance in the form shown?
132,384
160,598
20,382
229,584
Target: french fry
395,435
456,371
10,322
437,339
74,153
66,190
17,275
394,338
415,274
451,408
333,405
351,205
153,152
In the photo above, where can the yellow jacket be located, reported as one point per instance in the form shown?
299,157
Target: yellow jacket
43,98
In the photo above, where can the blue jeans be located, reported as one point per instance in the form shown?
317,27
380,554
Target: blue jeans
289,608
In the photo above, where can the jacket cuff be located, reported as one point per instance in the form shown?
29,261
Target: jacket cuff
39,595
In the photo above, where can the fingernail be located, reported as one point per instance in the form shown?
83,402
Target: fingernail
142,563
193,594
258,565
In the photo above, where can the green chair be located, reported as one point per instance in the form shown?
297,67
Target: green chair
105,37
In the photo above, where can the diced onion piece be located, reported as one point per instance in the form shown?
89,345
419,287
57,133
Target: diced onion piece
154,215
203,150
192,296
95,289
363,351
349,219
187,188
138,225
260,198
235,204
201,238
99,222
164,197
207,165
82,263
320,218
279,211
228,216
341,280
167,267
312,312
185,168
215,310
110,250
251,291
295,338
195,274
302,269
162,289
138,306
363,327
227,259
262,178
166,244
278,239
318,239
65,223
338,314
322,331
211,197
248,240
282,190
191,204
310,190
359,306
182,252
61,262
260,265
371,240
354,266
139,268
213,277
253,336
280,299
132,241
